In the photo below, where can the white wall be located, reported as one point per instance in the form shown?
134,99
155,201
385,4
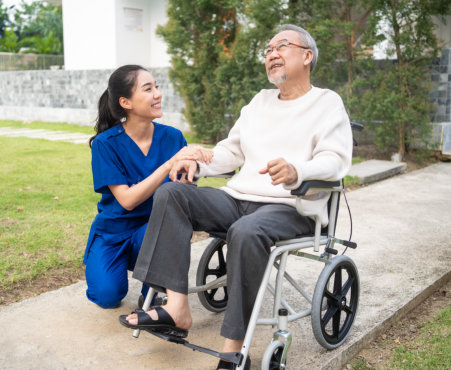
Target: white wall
89,34
101,34
133,32
444,31
158,55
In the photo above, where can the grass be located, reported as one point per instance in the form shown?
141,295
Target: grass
430,349
46,206
47,202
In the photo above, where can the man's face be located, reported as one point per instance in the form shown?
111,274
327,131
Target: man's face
287,62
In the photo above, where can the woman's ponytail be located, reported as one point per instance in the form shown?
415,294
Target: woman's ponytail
105,118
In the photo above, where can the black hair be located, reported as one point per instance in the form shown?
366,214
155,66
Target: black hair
120,84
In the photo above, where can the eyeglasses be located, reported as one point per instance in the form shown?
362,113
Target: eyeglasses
269,49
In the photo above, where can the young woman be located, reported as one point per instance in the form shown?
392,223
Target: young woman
131,157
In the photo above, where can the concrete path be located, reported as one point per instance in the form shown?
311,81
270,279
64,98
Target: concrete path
376,170
402,229
71,137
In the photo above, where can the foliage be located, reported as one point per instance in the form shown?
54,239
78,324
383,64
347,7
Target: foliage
229,78
4,19
198,34
10,42
49,44
217,75
394,99
37,27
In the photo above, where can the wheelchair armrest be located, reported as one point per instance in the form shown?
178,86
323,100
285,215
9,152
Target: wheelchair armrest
311,184
356,126
224,175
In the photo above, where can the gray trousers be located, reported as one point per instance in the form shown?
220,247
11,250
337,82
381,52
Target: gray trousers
252,228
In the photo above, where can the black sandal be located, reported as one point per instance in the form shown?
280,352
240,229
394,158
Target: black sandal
164,324
231,366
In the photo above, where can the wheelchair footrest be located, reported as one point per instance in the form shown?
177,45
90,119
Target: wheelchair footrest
331,250
233,357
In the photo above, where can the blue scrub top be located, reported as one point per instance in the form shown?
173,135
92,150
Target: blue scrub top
117,160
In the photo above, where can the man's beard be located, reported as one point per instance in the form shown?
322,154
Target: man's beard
278,80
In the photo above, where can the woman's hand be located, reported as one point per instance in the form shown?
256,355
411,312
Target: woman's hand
195,153
185,168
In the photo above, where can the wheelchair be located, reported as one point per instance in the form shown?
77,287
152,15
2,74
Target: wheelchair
335,298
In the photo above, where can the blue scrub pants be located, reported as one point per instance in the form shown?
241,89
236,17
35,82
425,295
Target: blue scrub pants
106,269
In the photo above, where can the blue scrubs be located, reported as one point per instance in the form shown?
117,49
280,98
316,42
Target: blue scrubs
116,234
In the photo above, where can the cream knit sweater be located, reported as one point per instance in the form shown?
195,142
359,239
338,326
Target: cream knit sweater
311,132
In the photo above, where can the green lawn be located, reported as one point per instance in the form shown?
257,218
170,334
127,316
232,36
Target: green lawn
47,202
49,126
432,348
46,206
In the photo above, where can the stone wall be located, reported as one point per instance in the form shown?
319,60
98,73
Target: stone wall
71,96
441,94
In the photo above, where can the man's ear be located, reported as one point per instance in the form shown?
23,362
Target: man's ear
125,103
308,57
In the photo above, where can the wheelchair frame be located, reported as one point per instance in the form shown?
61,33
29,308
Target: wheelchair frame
333,303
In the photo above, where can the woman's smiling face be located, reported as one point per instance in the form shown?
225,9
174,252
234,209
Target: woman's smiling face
146,98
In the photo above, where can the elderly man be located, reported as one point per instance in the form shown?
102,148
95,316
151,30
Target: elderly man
283,136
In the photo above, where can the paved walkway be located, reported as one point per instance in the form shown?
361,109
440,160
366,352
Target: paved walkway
402,229
71,137
401,226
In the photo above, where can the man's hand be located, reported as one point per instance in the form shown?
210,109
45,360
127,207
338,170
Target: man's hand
196,153
187,168
280,171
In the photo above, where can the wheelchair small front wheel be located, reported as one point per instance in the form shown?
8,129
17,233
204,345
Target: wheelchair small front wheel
212,265
335,302
272,358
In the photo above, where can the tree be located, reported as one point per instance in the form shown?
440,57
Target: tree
231,75
395,98
217,75
4,19
199,34
39,26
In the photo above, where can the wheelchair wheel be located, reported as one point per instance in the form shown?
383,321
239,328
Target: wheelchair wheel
272,358
212,265
335,302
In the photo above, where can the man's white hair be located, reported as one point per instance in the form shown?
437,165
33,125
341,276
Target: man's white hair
306,38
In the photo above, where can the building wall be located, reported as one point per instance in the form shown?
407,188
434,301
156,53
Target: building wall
89,34
109,33
441,92
443,30
71,96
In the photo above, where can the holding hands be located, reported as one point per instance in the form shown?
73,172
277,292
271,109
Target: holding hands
184,162
195,153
